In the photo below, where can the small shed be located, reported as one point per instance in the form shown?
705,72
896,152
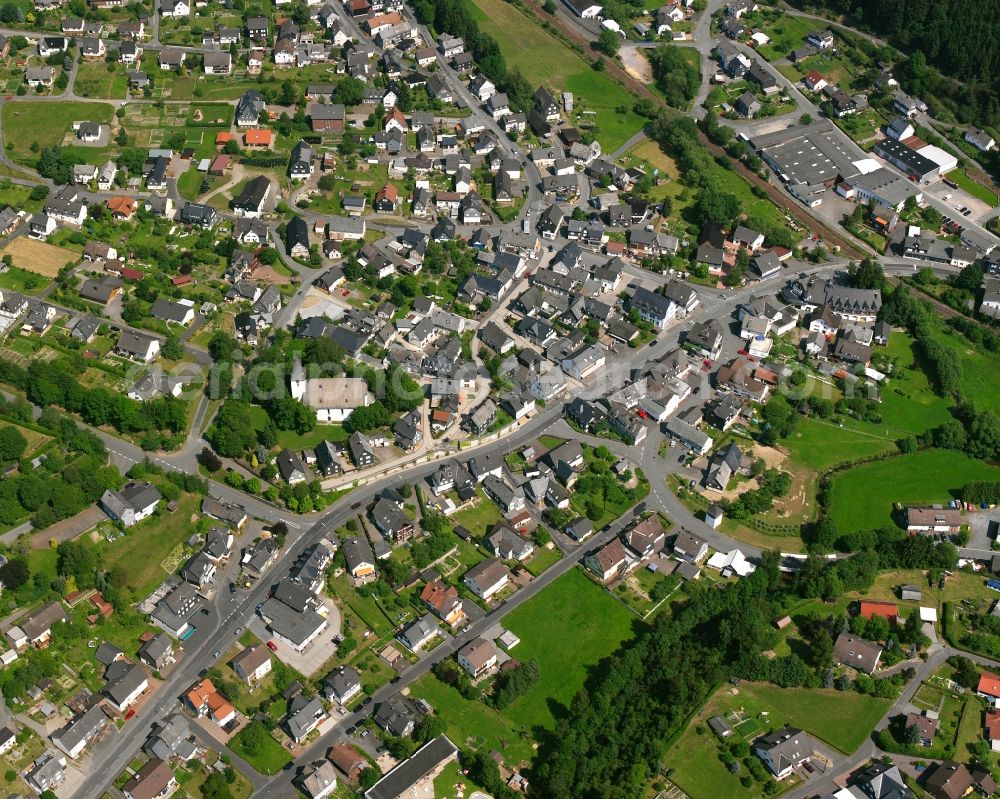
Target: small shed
910,593
720,727
783,622
713,516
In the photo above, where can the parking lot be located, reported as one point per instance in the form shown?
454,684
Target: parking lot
316,654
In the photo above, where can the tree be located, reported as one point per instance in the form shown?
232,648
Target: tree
868,275
216,787
14,573
254,738
676,77
369,776
608,42
716,206
12,443
350,91
173,349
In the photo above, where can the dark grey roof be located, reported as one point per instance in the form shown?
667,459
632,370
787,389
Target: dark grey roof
427,760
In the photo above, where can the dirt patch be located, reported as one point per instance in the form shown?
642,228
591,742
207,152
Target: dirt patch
39,257
266,274
771,456
636,64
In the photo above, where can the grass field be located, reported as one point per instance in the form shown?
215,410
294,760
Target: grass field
959,586
94,80
479,518
45,124
909,407
544,59
862,498
818,444
270,759
148,544
473,723
787,33
909,403
980,376
293,440
568,628
37,256
977,190
841,719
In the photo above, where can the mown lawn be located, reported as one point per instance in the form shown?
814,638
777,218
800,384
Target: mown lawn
269,759
862,498
544,59
842,719
977,190
568,628
45,123
819,444
787,32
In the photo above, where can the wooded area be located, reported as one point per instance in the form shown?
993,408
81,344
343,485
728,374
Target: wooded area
956,37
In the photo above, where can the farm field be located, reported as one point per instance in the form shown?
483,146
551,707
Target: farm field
862,498
45,124
544,59
37,256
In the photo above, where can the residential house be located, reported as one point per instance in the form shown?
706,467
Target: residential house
486,579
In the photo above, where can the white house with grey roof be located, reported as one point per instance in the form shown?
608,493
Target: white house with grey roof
133,503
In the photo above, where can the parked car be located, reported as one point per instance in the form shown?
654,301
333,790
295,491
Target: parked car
272,646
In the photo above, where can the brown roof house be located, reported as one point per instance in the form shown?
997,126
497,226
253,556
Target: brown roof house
610,561
488,578
857,653
346,758
442,600
949,780
926,726
154,780
253,664
923,519
478,657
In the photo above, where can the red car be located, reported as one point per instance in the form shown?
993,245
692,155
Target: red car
272,646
